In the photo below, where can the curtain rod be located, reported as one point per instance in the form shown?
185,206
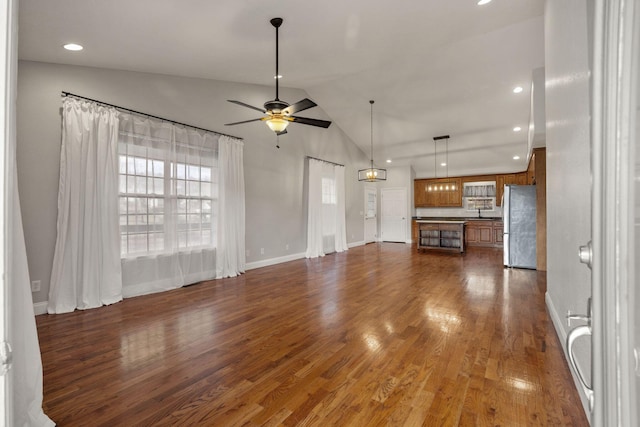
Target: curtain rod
326,161
147,115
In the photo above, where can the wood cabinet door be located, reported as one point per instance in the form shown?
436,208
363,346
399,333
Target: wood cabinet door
485,235
455,196
419,196
470,235
499,189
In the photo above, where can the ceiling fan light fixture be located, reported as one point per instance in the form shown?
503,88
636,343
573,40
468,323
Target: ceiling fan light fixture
372,174
277,124
280,113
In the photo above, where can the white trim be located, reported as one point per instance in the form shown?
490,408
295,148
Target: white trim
558,323
274,261
40,307
354,244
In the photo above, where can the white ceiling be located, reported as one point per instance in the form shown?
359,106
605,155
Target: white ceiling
433,67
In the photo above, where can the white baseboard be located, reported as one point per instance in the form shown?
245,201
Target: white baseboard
40,307
558,323
287,258
273,261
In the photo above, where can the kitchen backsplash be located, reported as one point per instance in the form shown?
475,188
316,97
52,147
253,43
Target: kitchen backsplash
457,212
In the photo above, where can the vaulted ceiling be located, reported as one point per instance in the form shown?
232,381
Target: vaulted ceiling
433,67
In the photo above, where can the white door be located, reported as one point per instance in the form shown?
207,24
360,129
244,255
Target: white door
616,237
614,253
393,208
370,214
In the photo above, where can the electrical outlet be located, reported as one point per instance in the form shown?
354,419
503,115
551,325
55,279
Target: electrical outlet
35,286
261,251
286,247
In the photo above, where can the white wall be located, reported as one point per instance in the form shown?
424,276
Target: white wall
275,195
567,60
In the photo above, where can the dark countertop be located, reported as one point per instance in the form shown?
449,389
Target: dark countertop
470,218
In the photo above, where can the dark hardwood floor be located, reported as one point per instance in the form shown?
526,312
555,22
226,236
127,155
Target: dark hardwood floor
379,335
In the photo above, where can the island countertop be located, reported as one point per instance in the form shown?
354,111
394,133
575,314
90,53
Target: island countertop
441,221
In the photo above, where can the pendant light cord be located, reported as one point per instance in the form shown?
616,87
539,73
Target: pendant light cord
371,102
446,158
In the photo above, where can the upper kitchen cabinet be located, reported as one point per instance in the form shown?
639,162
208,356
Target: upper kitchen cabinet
506,179
438,192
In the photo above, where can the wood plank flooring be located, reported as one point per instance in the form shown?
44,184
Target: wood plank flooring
379,335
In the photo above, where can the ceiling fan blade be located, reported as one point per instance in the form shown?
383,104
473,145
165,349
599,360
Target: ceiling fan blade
299,106
262,110
244,121
312,122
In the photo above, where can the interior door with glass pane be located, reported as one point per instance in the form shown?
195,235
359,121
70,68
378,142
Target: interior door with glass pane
370,214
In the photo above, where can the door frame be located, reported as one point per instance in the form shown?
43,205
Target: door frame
8,76
616,27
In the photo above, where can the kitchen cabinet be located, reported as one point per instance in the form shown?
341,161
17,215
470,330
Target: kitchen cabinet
483,233
426,195
508,178
441,235
414,231
498,233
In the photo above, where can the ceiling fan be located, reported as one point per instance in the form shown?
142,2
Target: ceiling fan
280,113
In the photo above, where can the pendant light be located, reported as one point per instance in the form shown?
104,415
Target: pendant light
372,173
442,186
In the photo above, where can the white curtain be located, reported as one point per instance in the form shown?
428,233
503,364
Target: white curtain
314,211
182,251
24,397
326,224
230,256
86,269
26,373
341,222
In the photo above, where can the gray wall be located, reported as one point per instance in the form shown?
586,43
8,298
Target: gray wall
275,195
567,60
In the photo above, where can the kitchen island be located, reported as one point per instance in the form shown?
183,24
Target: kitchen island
441,234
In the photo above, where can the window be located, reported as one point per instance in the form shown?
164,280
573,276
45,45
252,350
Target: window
328,191
194,195
164,205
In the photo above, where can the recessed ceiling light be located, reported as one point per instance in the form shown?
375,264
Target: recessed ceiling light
516,157
73,46
388,160
517,89
481,2
517,129
443,164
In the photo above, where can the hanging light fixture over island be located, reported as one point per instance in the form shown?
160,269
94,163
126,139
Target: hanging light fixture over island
443,186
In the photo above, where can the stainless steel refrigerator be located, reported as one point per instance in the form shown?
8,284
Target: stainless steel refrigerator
519,216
